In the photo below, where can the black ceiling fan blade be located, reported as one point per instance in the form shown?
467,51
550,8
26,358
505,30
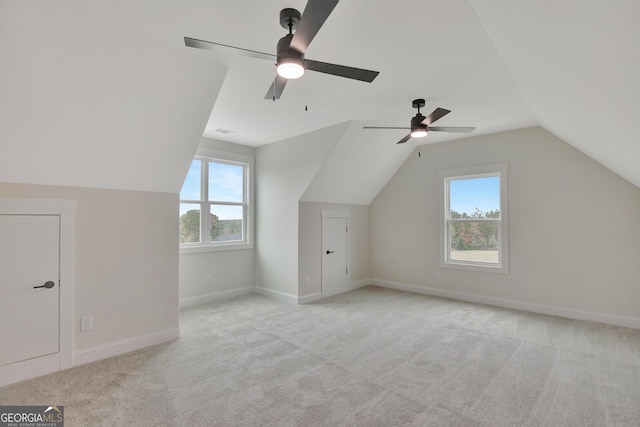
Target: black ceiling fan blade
461,129
276,88
405,139
341,70
223,48
438,113
384,127
315,14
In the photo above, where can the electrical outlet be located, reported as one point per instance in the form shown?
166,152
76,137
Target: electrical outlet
86,324
306,280
208,279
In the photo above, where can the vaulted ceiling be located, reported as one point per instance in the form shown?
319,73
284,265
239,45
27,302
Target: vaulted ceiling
440,52
86,87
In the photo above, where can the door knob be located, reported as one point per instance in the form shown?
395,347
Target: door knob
49,284
329,252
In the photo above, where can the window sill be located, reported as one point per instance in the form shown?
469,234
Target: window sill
483,268
215,248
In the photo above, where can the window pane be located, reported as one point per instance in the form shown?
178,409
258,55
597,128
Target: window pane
191,186
226,223
226,182
475,197
475,229
189,223
474,241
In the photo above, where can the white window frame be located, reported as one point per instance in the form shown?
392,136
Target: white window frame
445,177
248,162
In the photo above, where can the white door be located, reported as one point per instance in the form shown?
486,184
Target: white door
334,255
29,286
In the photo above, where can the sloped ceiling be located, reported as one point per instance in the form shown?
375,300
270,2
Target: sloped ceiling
441,53
89,99
357,168
89,88
577,65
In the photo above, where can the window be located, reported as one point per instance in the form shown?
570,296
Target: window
214,205
474,218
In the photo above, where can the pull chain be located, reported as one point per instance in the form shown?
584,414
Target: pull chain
306,92
274,83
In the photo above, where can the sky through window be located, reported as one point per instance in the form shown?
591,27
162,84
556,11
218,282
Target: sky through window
468,194
226,184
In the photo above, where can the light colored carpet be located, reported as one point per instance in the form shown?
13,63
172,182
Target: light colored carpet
371,357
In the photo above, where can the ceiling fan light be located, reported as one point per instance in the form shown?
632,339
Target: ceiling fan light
290,68
418,133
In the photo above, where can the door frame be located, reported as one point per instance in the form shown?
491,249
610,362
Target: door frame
66,210
343,214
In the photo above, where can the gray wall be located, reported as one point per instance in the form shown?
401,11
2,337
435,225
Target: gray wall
574,235
126,260
310,244
209,276
284,171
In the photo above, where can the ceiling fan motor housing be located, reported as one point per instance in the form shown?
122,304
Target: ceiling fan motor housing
289,19
416,122
289,62
285,51
418,129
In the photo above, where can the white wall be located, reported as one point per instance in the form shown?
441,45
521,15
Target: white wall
284,171
90,99
126,262
80,112
208,276
310,245
358,166
574,235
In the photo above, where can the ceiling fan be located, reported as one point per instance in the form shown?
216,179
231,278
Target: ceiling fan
421,125
290,60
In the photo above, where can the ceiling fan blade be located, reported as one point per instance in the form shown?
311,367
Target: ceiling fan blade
384,127
315,14
451,129
341,70
405,139
438,113
276,88
223,48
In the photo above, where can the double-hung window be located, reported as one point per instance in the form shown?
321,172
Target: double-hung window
474,221
214,205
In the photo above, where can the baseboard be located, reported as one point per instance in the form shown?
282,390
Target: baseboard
104,351
310,298
27,369
331,292
216,296
361,283
279,295
569,313
349,287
